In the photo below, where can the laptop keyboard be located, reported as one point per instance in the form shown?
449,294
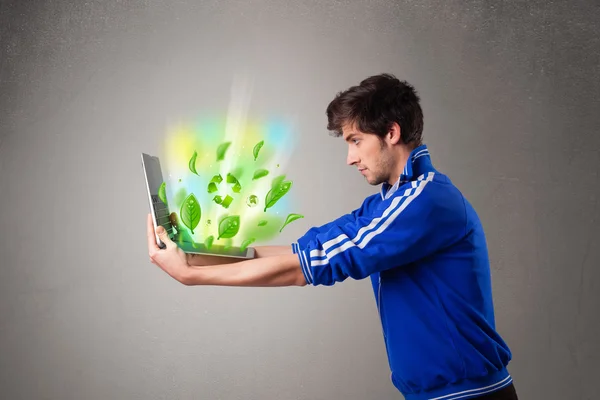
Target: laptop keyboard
161,213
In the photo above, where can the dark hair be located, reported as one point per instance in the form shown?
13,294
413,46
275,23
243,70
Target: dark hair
376,103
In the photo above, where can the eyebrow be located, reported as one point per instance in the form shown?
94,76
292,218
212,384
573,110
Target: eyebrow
350,136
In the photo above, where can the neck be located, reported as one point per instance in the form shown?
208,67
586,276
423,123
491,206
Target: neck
401,156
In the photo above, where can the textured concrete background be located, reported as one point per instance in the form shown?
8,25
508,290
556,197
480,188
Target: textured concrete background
511,94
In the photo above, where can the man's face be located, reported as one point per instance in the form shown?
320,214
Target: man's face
370,154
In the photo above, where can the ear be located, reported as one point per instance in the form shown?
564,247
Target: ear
394,133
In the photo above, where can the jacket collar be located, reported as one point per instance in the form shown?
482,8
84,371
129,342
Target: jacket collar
418,163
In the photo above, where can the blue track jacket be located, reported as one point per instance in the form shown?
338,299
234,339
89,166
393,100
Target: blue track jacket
423,246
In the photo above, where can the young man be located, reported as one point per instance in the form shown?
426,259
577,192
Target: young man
418,240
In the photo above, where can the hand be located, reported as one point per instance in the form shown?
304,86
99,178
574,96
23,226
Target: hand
172,259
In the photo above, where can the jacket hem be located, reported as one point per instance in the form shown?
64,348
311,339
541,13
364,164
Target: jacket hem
466,389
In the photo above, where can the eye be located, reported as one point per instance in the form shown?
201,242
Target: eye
356,141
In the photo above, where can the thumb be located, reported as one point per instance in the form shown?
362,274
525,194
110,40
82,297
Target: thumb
162,234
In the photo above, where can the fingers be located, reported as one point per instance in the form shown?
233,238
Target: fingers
152,246
162,234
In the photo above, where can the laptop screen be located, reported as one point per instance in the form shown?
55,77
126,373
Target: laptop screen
155,179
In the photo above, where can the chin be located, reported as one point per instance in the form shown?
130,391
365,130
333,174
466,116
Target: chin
373,182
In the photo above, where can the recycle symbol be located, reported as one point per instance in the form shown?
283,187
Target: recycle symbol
236,188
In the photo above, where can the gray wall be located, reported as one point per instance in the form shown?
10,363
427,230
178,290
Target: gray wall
511,98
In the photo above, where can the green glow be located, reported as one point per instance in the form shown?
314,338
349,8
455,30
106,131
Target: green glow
225,167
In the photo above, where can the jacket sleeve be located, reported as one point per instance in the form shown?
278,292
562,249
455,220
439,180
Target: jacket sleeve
403,229
343,220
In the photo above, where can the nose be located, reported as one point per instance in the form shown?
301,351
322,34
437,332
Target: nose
352,158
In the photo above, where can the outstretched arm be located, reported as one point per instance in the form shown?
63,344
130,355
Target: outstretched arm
280,270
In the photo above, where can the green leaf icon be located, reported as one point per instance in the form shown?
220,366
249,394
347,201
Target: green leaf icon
221,150
291,218
192,163
209,241
162,192
259,173
257,148
263,222
276,193
246,243
277,181
229,227
190,212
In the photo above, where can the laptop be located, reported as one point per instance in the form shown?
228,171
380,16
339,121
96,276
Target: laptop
161,215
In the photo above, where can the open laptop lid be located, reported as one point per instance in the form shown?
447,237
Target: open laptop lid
160,211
